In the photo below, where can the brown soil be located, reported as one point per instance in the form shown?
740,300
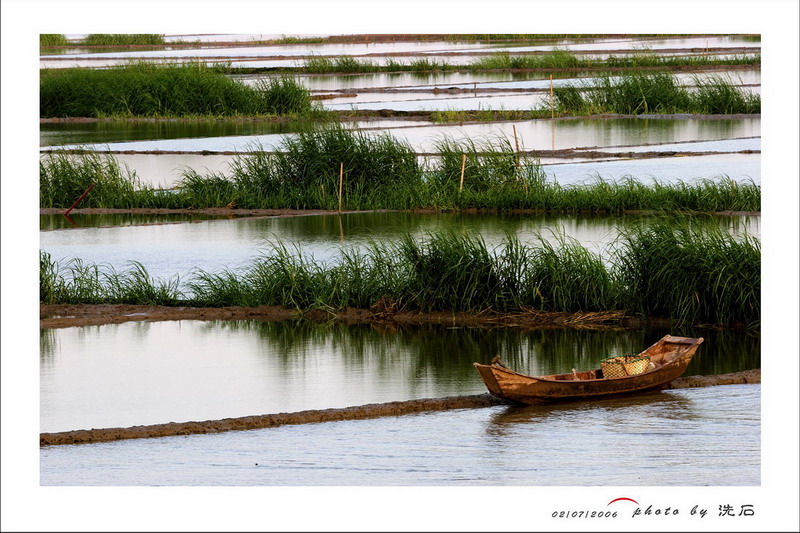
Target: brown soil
212,211
383,314
564,153
389,114
235,212
85,436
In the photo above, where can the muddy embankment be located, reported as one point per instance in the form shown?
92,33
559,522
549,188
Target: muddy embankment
86,436
235,212
383,314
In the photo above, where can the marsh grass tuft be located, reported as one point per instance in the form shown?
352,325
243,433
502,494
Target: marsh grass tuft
655,93
148,90
122,39
53,39
680,269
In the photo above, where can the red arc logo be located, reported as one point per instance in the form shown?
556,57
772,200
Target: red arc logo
622,499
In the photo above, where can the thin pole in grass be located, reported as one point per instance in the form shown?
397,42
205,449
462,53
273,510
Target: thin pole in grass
341,180
463,166
516,142
81,197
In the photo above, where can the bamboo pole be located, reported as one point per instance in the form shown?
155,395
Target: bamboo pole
516,142
552,107
341,180
463,166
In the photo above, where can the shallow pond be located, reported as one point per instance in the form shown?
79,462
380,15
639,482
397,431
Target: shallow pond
688,437
739,167
178,249
175,371
78,220
94,133
532,134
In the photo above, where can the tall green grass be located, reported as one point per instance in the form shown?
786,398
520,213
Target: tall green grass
655,93
491,165
691,273
677,269
164,90
552,60
341,64
64,177
122,39
53,39
381,172
81,283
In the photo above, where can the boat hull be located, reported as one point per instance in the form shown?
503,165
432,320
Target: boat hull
672,353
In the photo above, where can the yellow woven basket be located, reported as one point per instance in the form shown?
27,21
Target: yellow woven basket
624,365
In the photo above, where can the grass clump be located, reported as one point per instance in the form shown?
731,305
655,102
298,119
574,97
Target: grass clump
379,170
122,39
655,93
53,39
555,59
676,269
691,274
80,283
341,64
164,91
491,165
64,177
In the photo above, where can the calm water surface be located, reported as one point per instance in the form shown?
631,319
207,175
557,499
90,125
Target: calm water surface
178,249
175,371
689,437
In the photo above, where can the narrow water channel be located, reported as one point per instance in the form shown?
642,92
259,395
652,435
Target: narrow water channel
688,437
120,375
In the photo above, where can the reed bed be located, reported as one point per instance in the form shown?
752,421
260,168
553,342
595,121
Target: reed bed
689,273
144,90
556,59
640,60
655,93
380,172
553,60
122,39
64,177
53,39
93,284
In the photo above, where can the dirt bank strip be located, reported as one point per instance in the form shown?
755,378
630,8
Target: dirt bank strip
383,314
211,211
86,436
564,153
392,114
435,53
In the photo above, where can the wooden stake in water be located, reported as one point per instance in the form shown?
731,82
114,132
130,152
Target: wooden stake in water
516,142
552,108
341,180
463,166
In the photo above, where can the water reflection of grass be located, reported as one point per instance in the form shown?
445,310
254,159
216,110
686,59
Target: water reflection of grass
440,353
688,271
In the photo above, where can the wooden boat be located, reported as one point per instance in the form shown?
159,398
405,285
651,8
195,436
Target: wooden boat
669,358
